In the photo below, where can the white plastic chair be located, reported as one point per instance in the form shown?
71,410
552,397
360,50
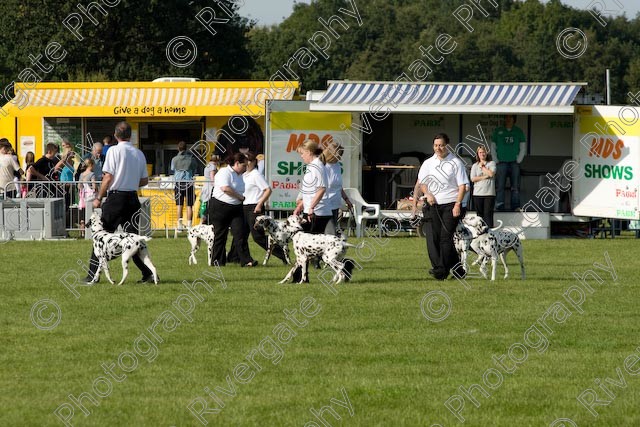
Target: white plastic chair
363,211
407,177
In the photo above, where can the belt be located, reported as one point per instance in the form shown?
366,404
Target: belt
121,192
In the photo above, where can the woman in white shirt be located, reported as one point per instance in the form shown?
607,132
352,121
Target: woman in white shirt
256,193
225,210
335,194
8,167
311,200
483,174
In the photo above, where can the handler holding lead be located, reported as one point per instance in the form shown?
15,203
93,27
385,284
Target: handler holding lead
443,180
124,171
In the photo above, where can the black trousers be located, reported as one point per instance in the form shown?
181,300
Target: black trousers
484,208
317,224
332,225
120,209
440,224
259,236
222,216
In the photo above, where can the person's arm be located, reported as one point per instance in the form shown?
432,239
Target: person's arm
346,199
490,169
35,172
494,152
316,199
475,177
299,205
266,193
107,180
228,190
523,151
30,172
417,192
457,207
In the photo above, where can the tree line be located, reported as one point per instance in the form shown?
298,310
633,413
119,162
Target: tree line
127,40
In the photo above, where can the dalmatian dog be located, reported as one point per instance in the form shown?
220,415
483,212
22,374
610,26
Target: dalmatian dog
108,246
277,236
329,248
201,232
462,238
483,243
485,238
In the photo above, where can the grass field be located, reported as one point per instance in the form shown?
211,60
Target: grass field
508,353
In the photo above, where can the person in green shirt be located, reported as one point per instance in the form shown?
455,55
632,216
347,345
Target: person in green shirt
509,146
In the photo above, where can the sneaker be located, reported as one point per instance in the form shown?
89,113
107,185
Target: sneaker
148,279
253,263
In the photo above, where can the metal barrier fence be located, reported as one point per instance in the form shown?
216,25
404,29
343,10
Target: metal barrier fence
160,194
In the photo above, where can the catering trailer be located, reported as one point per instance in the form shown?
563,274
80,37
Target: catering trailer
161,113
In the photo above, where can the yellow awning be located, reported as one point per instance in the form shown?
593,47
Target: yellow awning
146,99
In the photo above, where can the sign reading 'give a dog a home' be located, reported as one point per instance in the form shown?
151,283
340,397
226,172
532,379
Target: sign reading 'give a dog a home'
606,145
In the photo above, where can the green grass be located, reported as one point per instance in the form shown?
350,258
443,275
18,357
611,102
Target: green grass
371,339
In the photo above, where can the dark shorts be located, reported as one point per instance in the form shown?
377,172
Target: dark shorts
184,191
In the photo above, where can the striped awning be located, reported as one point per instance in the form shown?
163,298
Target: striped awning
380,97
196,97
191,98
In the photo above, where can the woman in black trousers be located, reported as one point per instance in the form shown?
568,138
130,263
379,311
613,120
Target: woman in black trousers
256,193
225,210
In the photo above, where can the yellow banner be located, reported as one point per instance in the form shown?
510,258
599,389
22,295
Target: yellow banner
310,120
627,123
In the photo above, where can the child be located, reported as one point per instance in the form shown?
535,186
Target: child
29,160
87,190
87,186
209,175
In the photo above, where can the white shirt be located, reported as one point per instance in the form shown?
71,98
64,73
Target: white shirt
334,185
8,165
314,178
205,194
254,186
229,178
442,177
127,165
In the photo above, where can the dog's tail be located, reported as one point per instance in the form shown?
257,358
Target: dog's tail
351,245
498,227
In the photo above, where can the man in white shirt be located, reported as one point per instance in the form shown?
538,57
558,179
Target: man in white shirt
443,180
123,172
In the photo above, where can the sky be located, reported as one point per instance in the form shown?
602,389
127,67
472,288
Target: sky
268,12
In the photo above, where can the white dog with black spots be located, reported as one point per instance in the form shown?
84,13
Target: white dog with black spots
108,246
329,248
277,236
201,232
